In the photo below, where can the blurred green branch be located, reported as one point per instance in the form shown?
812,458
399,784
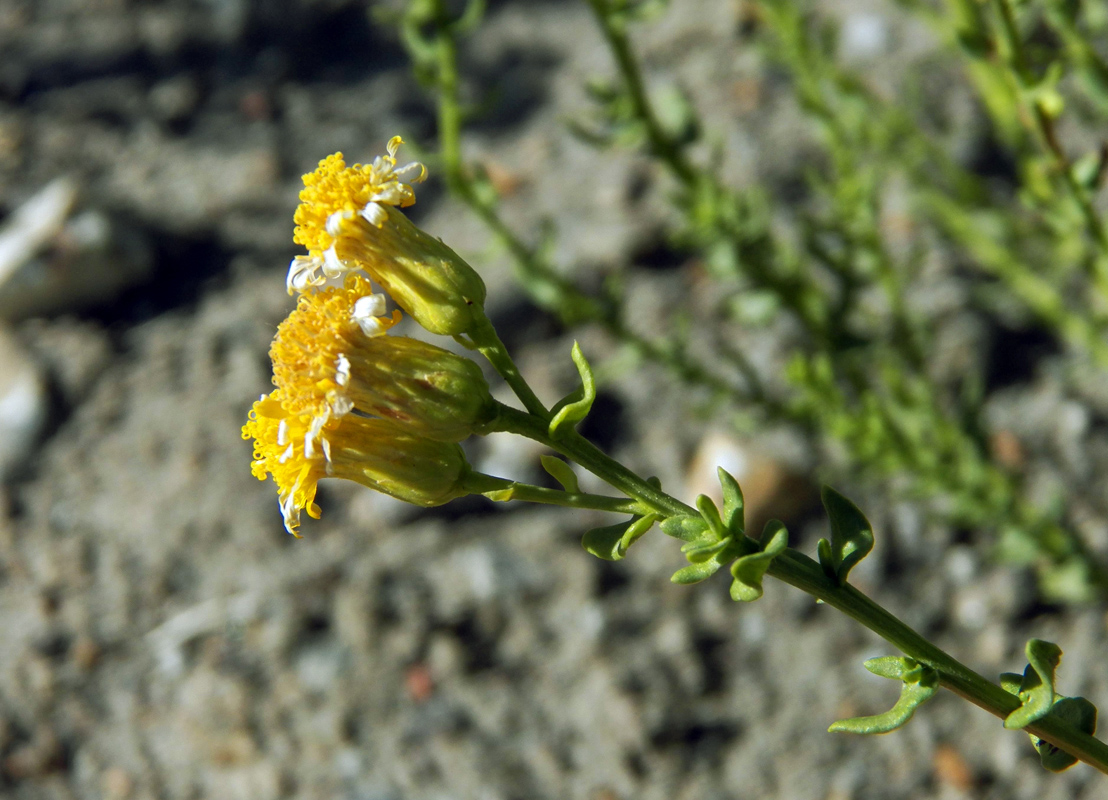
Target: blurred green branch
860,374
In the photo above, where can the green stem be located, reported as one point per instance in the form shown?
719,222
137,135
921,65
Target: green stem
1044,128
576,447
802,572
661,143
798,570
488,343
502,490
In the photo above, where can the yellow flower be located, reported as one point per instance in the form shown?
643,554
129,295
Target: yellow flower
310,353
286,448
372,452
349,220
329,359
361,188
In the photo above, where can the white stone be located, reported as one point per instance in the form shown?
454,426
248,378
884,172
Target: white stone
23,404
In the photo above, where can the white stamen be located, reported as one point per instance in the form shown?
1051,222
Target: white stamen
372,305
336,220
374,214
391,194
327,449
342,405
290,513
402,172
283,432
303,274
332,264
371,326
313,433
342,370
285,456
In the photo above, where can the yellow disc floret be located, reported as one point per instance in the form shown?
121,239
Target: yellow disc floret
311,366
362,188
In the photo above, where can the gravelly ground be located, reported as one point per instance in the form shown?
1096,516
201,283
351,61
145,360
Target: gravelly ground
163,637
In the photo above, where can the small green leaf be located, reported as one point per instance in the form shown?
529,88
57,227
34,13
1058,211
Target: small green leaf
920,684
1010,682
1037,687
612,541
749,570
733,505
891,667
826,560
561,472
912,696
695,573
576,406
605,542
851,535
711,515
501,495
701,550
1078,712
687,527
635,531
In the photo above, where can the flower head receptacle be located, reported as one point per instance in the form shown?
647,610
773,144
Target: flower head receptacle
372,452
330,358
349,219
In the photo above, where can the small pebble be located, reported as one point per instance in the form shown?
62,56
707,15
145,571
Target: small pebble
23,404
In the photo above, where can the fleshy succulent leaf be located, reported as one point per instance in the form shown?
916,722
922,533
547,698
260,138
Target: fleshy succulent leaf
851,535
612,541
749,570
1037,687
733,503
575,406
920,684
561,472
605,542
695,573
1079,713
687,527
711,515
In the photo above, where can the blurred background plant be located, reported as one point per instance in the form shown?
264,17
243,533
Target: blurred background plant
843,255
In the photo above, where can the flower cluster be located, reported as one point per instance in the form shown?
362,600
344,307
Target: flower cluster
353,401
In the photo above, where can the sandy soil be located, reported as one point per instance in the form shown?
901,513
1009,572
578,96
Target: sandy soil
162,637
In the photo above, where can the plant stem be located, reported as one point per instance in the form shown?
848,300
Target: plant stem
661,143
488,343
1044,128
798,570
489,485
576,447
